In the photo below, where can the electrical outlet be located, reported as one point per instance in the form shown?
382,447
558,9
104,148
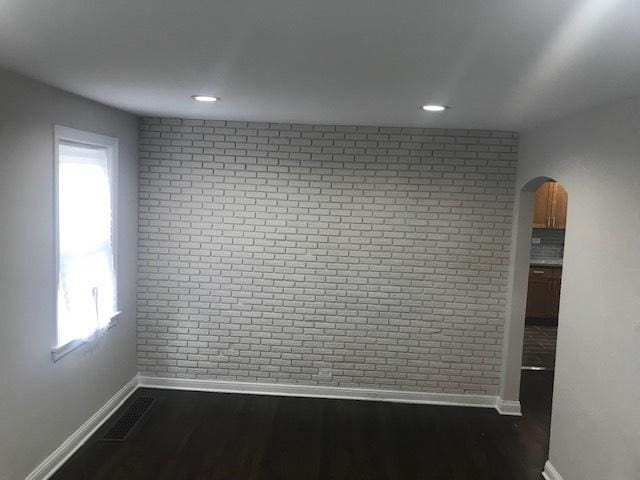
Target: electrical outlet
325,373
536,240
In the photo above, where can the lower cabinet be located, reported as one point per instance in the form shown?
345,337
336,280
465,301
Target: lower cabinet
543,297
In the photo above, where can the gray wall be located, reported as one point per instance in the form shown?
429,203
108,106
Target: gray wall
595,429
270,251
42,403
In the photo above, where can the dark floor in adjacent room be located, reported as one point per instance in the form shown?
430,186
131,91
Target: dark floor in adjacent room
539,347
198,435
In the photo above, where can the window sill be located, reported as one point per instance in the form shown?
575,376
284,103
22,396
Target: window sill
63,350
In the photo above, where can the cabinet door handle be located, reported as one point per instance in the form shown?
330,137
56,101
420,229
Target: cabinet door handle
538,272
548,221
554,221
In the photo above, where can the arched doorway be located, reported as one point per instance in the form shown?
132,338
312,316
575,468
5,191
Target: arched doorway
528,216
545,277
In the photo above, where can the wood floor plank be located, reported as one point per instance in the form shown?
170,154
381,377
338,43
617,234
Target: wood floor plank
210,436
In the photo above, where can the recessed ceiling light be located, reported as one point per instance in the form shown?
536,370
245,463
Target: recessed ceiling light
435,108
205,98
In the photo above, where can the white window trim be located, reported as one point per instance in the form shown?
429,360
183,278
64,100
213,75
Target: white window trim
72,135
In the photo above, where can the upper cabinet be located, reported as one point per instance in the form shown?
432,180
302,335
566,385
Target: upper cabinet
543,206
558,207
551,206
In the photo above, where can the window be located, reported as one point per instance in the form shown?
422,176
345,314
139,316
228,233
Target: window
85,246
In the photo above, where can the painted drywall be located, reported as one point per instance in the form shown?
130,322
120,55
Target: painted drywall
595,427
499,63
41,402
269,252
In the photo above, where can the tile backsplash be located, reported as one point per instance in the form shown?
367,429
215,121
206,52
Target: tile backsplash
551,244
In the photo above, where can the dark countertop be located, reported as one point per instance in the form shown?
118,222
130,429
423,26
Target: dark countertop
555,262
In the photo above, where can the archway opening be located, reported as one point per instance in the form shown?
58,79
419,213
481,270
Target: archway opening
542,305
533,305
538,234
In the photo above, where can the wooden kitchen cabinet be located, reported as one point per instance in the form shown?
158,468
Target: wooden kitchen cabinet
542,206
558,212
550,209
543,296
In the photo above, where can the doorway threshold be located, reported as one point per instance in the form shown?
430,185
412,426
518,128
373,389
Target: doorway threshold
524,367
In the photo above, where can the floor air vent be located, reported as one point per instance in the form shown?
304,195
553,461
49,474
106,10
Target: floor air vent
132,415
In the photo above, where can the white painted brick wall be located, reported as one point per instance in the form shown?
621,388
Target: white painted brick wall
269,251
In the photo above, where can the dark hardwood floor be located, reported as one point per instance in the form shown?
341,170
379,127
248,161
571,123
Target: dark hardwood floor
196,435
539,346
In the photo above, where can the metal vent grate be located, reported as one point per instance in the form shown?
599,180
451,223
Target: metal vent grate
129,419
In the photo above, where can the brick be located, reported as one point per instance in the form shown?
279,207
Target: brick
268,251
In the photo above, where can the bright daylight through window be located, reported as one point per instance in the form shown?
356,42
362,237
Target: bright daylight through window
86,297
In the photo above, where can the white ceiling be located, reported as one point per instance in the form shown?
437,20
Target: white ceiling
506,64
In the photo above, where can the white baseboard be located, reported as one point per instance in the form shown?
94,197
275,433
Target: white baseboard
508,407
550,473
316,391
61,454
